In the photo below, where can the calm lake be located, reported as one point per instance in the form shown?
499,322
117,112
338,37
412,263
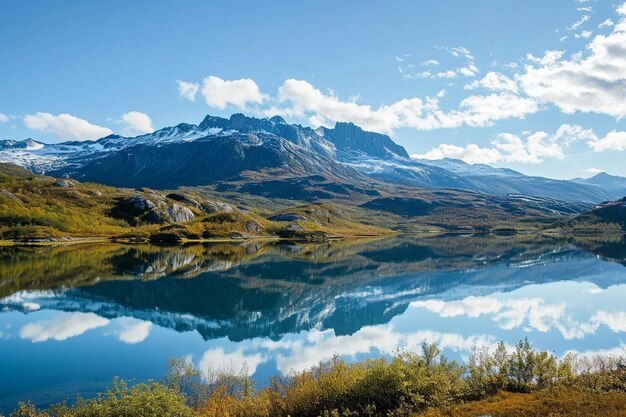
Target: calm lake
73,317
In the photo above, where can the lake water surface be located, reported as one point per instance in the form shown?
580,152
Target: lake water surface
73,317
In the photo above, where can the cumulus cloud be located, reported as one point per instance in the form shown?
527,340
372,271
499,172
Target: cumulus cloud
484,110
220,93
614,140
595,83
532,312
62,326
531,148
135,123
188,90
3,118
615,321
300,98
218,359
133,331
468,71
472,153
494,81
65,126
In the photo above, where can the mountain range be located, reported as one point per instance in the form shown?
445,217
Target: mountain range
273,158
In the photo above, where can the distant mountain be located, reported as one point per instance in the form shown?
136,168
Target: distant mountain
27,144
502,181
616,185
269,153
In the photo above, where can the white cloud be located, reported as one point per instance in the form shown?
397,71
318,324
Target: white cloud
133,331
484,110
135,123
468,71
300,98
323,345
584,34
220,93
579,22
614,140
595,83
408,71
62,326
65,126
607,23
548,58
471,306
592,170
531,148
445,74
614,321
3,118
218,359
188,90
494,81
534,312
461,52
472,154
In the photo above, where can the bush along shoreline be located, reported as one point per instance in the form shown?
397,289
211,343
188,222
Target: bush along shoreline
523,381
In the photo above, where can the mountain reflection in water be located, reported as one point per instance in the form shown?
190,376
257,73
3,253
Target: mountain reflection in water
72,317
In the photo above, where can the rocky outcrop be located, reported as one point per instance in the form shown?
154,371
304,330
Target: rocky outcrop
64,184
291,231
153,210
214,206
286,217
208,206
8,194
141,203
179,214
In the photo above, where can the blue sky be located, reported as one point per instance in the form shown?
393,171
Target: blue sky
538,86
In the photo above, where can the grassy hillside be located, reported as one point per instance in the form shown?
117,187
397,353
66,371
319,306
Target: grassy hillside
606,217
40,207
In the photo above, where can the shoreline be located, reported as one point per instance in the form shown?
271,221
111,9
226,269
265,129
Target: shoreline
77,240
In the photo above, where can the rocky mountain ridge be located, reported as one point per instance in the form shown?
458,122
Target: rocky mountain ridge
252,150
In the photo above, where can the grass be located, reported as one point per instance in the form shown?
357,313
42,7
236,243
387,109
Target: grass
523,382
35,207
553,402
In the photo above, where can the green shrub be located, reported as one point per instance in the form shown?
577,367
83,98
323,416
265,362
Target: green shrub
401,386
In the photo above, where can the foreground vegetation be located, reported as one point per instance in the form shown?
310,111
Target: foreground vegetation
499,383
